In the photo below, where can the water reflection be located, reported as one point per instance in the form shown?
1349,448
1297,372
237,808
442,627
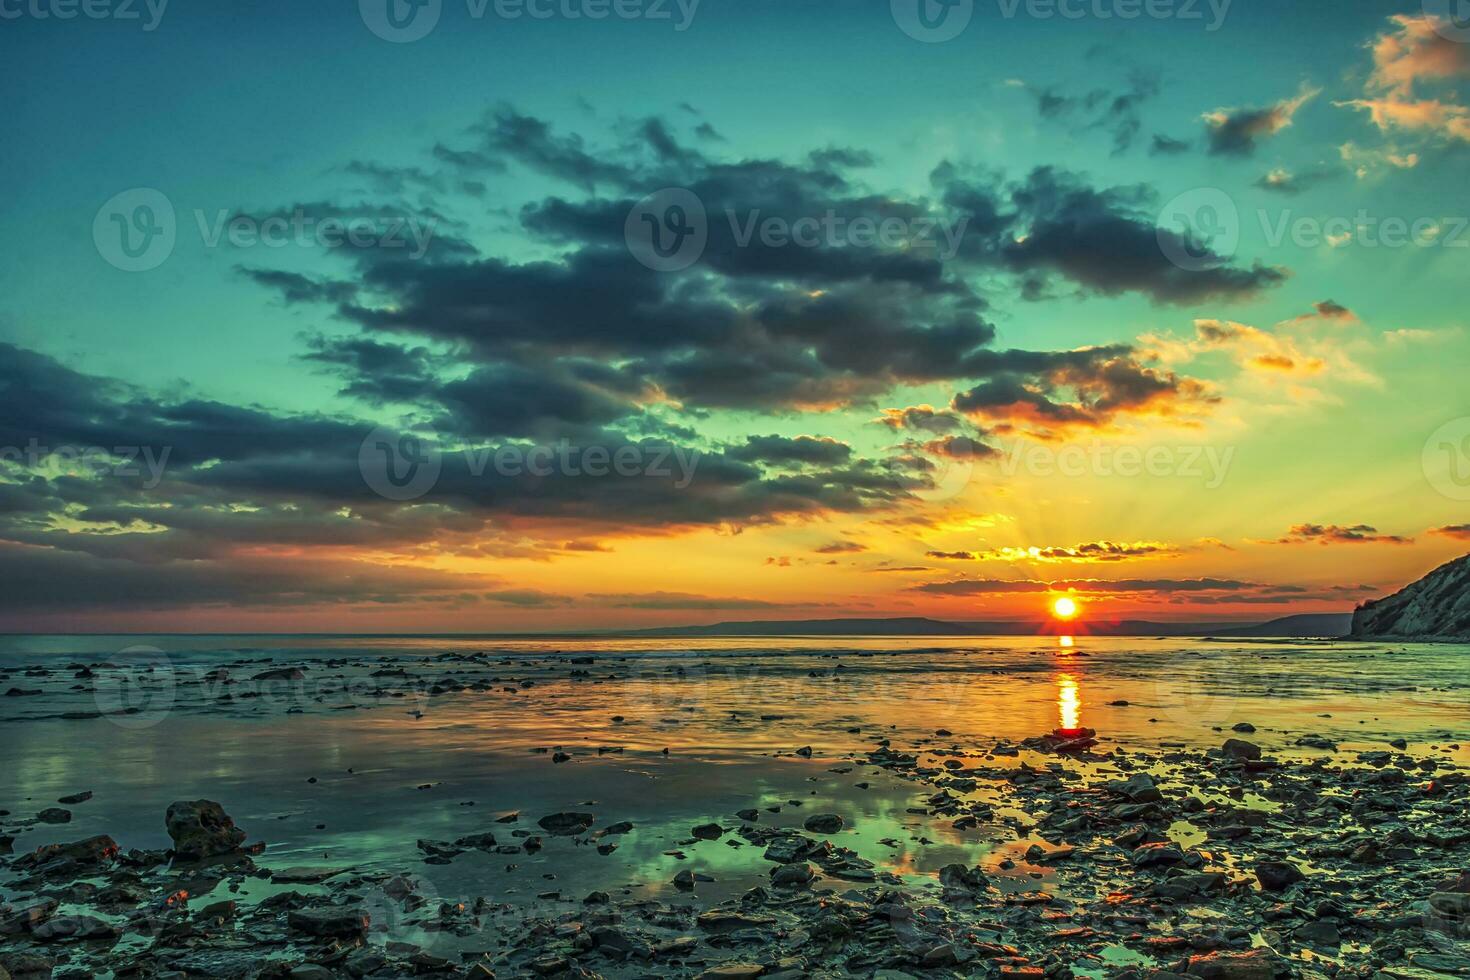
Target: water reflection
1069,704
1066,642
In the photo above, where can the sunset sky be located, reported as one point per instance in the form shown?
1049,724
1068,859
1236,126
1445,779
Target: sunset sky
1173,315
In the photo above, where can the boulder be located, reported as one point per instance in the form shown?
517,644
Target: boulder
202,829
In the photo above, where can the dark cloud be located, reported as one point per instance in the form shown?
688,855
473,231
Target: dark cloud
1106,243
1236,132
963,587
678,600
297,288
1167,146
1118,113
1339,534
780,450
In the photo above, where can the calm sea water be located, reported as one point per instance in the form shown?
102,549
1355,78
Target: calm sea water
352,764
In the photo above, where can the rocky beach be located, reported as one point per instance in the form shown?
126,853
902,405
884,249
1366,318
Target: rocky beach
1231,811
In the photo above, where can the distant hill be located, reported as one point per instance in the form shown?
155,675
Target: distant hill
1437,607
1306,624
1322,624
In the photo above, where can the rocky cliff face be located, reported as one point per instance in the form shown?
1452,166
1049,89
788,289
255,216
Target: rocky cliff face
1435,607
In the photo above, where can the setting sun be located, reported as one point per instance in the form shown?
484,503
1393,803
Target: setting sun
1064,607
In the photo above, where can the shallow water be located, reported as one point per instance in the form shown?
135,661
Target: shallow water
350,766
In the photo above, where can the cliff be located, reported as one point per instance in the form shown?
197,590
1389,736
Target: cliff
1437,607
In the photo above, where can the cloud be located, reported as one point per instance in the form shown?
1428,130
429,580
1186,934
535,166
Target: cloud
1108,244
1087,553
1088,389
842,548
1167,146
1366,162
802,450
1116,113
1457,532
1283,181
1337,534
924,418
679,600
1237,132
1415,51
963,587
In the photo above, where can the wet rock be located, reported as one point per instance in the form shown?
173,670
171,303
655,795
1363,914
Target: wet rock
75,798
960,879
1156,855
708,831
280,674
684,880
1322,934
1235,748
733,971
1276,876
1139,788
87,853
566,824
799,875
329,922
54,815
823,823
1258,964
1454,904
73,928
201,829
749,815
26,918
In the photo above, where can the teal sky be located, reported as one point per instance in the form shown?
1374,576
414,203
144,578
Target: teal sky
228,110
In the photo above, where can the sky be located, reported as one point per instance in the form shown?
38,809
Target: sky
546,315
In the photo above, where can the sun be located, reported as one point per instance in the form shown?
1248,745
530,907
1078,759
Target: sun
1064,607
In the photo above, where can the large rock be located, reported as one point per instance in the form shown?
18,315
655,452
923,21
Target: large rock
1258,964
1435,607
202,829
329,921
1276,876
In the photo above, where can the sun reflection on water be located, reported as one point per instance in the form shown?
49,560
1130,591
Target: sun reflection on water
1069,703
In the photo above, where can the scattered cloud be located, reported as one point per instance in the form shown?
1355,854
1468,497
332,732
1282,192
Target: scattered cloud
1237,132
1329,534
